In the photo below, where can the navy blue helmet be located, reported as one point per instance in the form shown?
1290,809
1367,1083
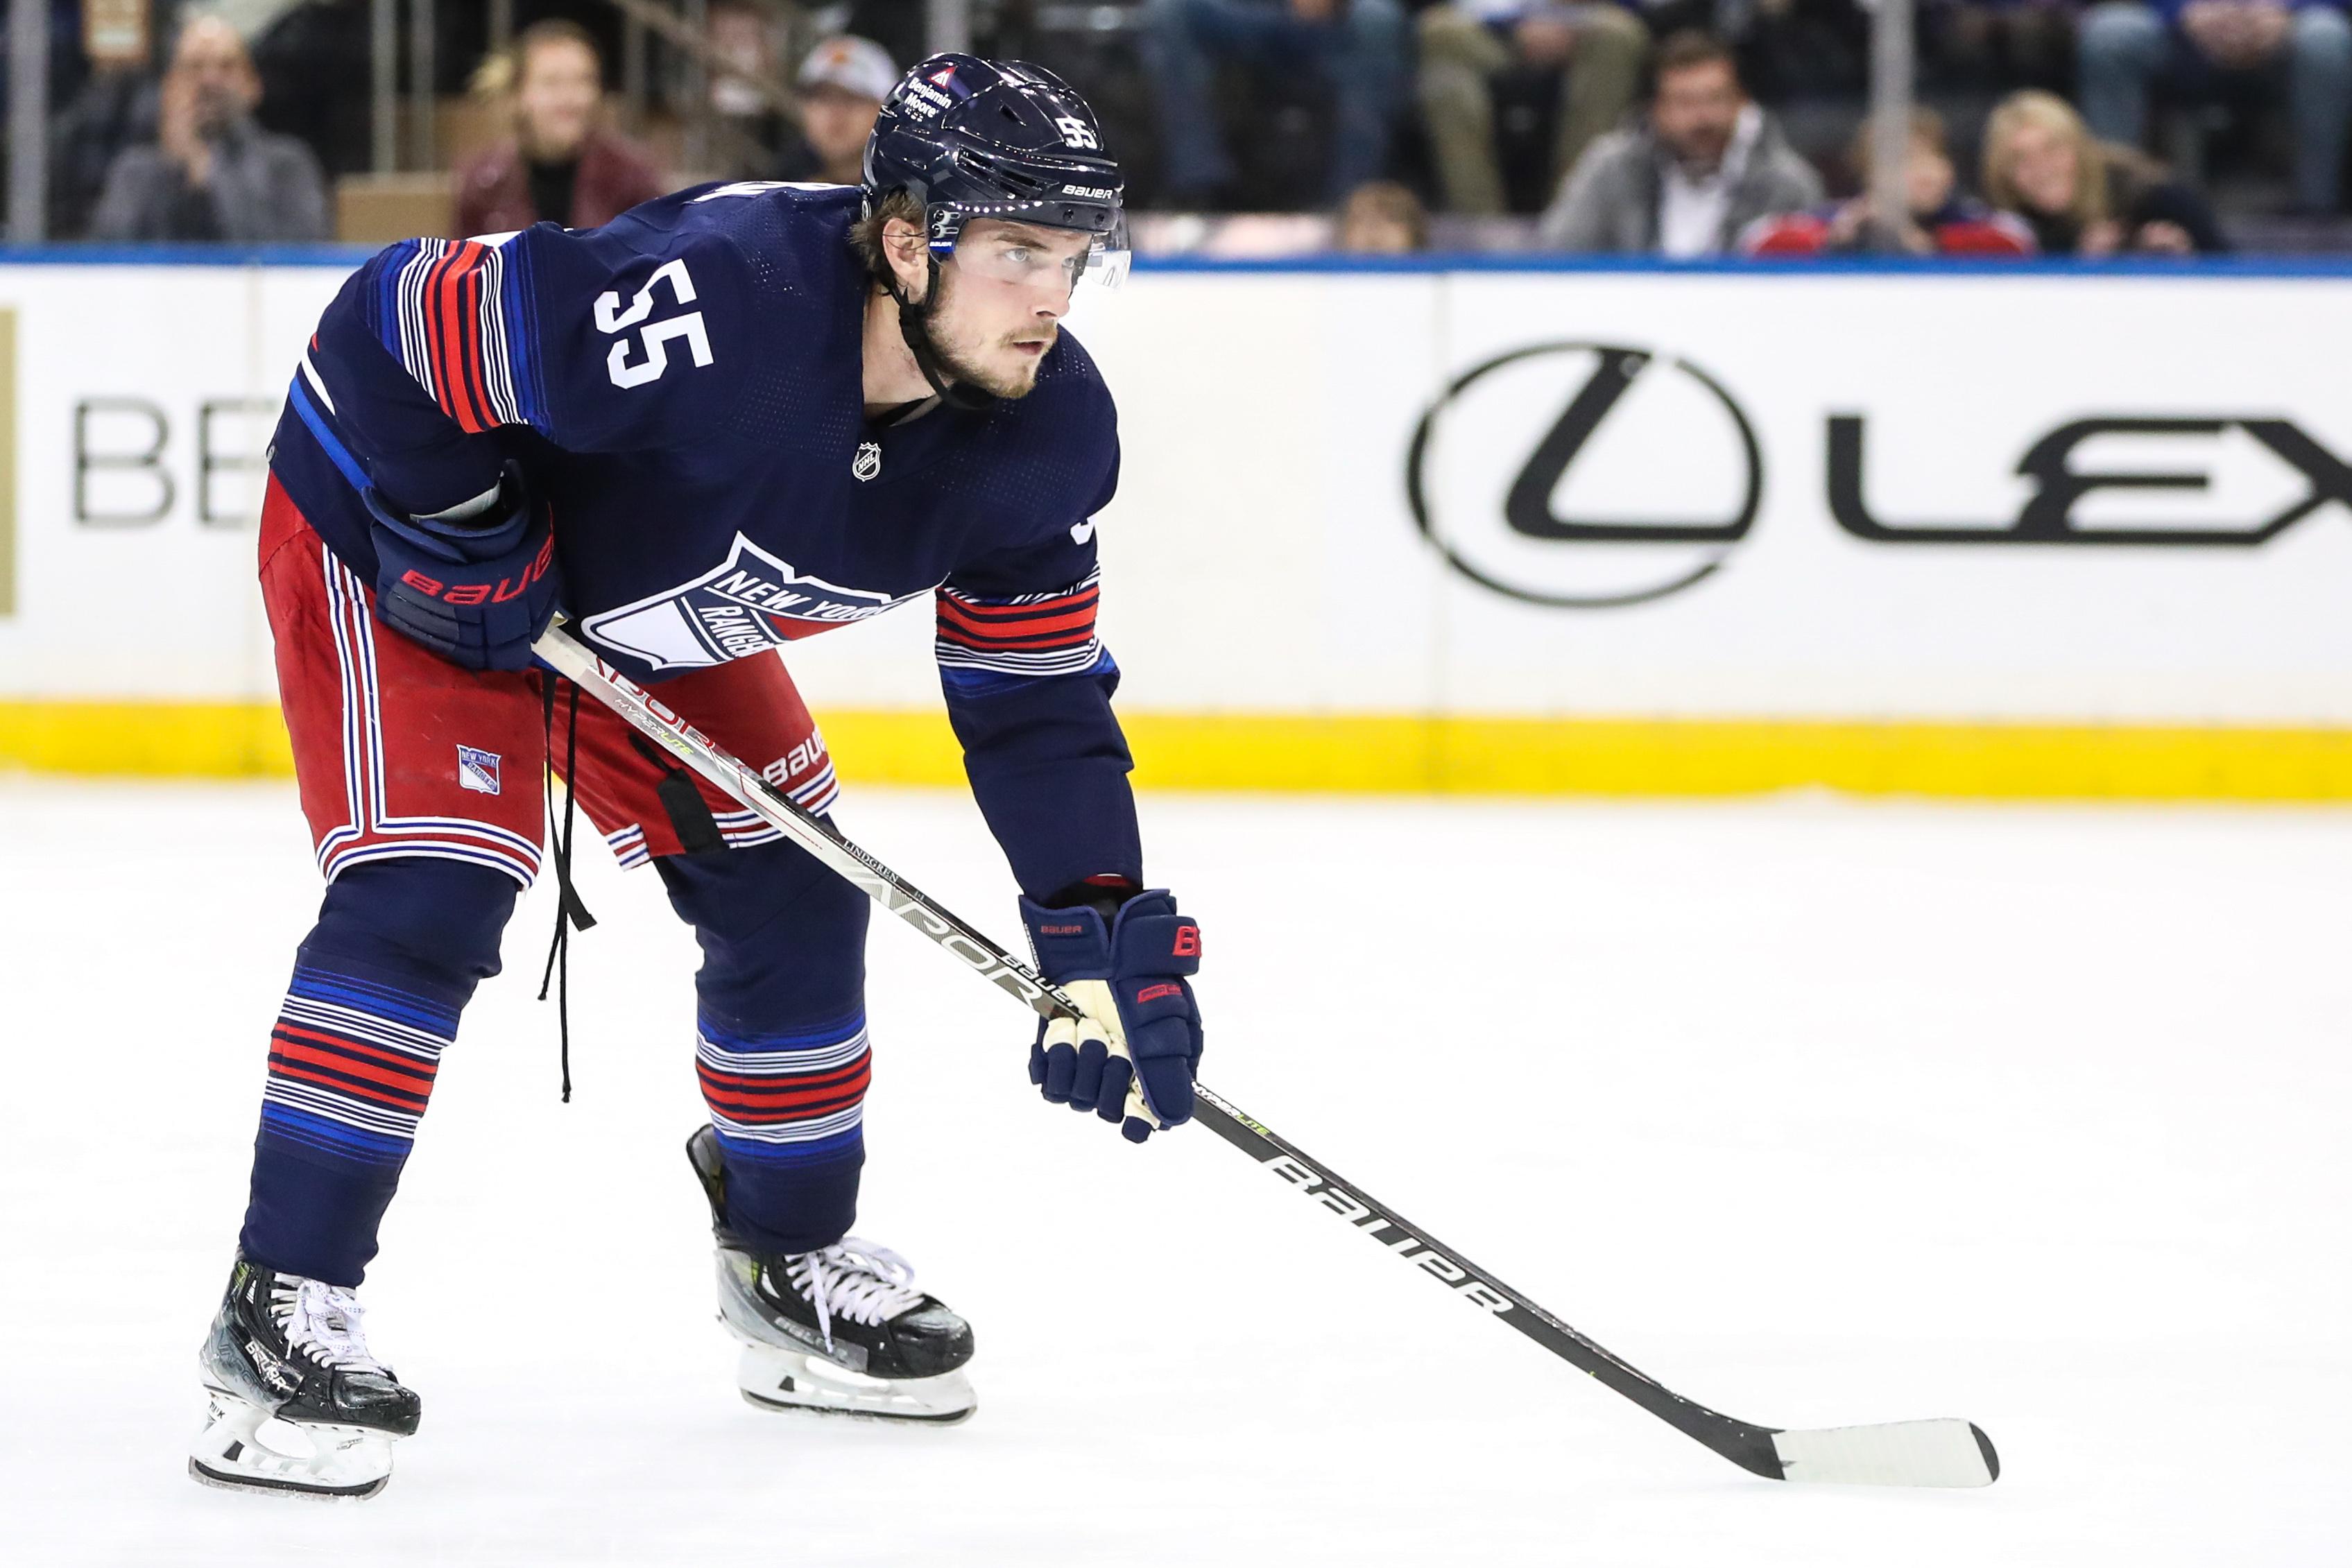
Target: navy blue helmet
970,138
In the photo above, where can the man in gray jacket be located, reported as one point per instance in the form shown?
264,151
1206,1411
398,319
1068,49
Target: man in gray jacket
212,174
1707,163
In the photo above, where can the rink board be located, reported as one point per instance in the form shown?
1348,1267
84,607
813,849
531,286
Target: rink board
2031,532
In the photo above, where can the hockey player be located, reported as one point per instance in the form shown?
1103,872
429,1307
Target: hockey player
733,417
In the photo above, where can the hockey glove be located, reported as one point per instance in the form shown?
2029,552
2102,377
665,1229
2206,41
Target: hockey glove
477,592
1141,1031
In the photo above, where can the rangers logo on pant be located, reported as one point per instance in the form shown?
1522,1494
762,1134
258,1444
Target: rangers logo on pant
749,603
477,770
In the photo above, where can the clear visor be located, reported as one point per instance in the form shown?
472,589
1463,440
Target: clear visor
1025,255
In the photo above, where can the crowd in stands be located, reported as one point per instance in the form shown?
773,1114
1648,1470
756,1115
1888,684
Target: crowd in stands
1701,168
561,161
211,173
1672,128
1706,128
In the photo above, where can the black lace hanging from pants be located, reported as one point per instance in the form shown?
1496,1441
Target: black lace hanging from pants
571,913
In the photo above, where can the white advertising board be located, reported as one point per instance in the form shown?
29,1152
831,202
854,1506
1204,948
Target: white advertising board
1575,494
1841,495
144,399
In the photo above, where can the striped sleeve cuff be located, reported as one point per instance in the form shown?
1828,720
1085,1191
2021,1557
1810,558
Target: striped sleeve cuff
1048,633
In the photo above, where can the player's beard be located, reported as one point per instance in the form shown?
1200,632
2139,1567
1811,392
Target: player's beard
959,363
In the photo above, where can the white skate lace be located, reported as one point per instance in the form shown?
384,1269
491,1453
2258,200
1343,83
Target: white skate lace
854,1280
322,1321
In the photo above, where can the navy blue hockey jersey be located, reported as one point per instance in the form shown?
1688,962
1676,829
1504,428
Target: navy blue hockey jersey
684,386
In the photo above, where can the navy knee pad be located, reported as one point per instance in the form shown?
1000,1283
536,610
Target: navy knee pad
783,939
422,918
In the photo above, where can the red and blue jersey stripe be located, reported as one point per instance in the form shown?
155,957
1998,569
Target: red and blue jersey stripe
1030,634
457,314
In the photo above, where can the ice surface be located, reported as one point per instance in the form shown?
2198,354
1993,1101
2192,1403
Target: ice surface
1822,1113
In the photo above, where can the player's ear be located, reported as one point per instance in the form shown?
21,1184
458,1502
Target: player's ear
905,253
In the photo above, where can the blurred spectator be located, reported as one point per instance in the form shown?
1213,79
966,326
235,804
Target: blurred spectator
1357,49
2006,43
314,61
1706,165
1789,50
213,174
1597,48
114,107
247,17
745,134
2085,197
903,30
561,164
1382,218
1937,219
843,83
2198,49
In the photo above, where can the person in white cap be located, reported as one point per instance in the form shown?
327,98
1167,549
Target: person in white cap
842,83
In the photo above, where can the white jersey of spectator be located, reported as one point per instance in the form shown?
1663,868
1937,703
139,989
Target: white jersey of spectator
1692,207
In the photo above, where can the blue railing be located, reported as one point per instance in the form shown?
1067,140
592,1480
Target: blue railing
2223,266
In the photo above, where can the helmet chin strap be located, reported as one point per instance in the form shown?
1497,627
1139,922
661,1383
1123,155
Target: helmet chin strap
911,318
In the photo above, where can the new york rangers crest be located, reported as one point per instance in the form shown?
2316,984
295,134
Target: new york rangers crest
747,604
477,770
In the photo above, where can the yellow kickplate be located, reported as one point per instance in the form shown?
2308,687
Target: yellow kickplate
1401,754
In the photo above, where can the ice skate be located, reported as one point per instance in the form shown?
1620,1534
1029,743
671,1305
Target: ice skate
298,1405
840,1330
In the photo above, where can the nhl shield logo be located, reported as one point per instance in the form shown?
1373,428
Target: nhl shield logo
868,461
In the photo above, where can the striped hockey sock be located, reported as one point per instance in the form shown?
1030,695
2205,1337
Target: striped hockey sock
351,1064
789,1109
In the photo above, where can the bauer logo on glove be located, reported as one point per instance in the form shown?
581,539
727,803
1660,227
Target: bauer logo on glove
476,592
1132,1056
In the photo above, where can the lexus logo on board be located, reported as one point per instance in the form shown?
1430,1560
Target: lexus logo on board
1648,460
1555,444
2048,517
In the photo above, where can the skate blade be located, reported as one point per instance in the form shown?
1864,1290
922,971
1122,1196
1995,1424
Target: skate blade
801,1383
244,1449
239,1481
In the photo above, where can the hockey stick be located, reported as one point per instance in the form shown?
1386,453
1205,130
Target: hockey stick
1941,1453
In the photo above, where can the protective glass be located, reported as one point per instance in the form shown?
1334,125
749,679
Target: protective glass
1010,255
1107,263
